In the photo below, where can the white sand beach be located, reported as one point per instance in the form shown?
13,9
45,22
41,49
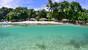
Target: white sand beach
32,22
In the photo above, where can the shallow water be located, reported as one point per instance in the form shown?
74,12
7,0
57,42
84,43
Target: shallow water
44,37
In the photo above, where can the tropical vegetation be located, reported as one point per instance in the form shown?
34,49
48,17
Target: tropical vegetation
57,11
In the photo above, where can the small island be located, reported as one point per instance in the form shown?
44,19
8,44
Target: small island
57,12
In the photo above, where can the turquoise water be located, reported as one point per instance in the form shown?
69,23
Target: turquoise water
44,37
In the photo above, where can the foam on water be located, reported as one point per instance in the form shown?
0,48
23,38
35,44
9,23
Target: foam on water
44,37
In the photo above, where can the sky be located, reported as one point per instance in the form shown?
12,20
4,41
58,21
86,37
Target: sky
35,4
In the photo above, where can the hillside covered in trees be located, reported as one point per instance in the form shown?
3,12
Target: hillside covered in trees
56,12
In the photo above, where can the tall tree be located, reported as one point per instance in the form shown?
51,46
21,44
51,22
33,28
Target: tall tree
21,13
50,8
75,6
41,14
31,13
3,12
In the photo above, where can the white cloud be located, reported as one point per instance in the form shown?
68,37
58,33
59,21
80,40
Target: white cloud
85,7
57,0
13,3
44,7
5,3
63,0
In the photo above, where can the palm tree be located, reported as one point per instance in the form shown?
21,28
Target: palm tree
50,8
50,5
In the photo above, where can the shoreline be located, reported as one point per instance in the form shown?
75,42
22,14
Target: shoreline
32,22
37,22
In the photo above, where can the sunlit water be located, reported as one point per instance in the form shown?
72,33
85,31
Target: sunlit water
44,37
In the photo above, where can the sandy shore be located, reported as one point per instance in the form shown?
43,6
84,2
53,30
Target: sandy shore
32,22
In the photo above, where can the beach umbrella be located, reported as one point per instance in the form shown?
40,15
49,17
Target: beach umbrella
33,19
53,19
65,20
42,19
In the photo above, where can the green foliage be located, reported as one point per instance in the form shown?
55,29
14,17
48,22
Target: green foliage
66,10
31,13
18,14
10,16
3,12
41,14
62,10
49,16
